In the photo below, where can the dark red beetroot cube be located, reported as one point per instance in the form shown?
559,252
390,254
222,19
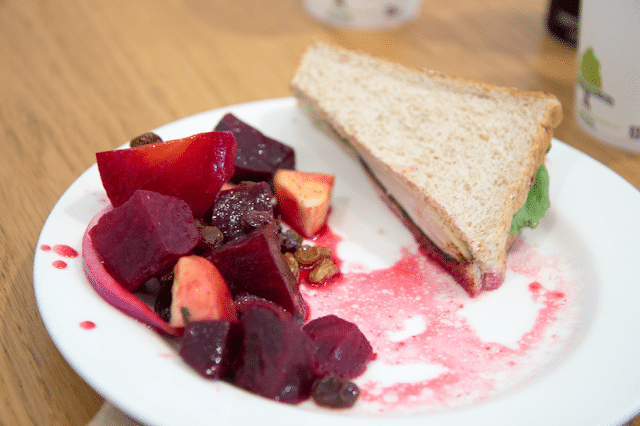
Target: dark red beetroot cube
233,209
276,357
258,156
144,237
192,169
253,264
341,348
246,301
210,347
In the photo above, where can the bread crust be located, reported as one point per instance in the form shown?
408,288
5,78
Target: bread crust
487,244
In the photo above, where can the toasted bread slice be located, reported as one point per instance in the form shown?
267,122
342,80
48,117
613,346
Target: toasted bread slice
458,156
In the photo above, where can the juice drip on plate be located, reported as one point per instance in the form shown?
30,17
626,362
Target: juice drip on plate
65,251
438,348
59,264
87,325
61,250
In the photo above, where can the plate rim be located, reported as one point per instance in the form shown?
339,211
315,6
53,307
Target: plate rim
631,408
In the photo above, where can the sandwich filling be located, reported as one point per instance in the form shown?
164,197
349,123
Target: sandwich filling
423,215
442,243
536,205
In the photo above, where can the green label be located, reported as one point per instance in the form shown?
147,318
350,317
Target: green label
590,79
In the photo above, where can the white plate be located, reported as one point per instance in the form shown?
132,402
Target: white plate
591,377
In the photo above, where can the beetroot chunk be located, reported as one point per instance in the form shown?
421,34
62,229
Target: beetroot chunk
247,301
341,348
144,237
257,156
192,169
111,290
234,210
253,264
209,347
276,357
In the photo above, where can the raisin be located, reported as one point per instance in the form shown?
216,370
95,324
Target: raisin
293,265
290,240
200,222
324,252
210,237
323,271
334,392
255,218
145,139
308,256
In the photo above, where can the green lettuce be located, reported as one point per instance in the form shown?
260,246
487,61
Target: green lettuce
536,205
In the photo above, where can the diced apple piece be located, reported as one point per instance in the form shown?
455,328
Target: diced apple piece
228,185
258,156
304,199
144,237
192,169
199,293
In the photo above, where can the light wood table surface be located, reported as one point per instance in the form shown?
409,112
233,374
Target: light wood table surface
80,76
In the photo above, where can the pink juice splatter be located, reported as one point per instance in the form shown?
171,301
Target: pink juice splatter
59,264
435,348
87,325
65,251
61,250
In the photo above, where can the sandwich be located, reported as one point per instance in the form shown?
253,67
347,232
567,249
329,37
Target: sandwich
464,160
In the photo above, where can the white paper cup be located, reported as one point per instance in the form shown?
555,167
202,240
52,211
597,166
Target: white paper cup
607,101
363,14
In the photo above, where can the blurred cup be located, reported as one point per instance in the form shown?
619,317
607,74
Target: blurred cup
363,14
607,101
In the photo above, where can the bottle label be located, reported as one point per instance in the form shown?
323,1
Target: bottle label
607,101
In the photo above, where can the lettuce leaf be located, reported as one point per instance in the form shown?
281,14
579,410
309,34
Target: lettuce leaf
536,205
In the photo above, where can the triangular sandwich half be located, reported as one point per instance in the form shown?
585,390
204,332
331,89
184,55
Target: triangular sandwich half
458,156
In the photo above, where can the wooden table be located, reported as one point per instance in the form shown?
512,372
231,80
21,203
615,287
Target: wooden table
81,76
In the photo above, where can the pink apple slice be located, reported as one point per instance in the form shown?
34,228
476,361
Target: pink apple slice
304,199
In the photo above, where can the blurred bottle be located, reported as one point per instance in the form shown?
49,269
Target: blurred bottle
363,14
607,94
562,20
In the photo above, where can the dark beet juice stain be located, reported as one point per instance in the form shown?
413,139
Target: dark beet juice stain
431,354
87,325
